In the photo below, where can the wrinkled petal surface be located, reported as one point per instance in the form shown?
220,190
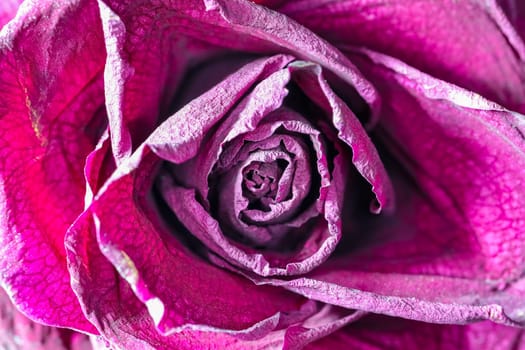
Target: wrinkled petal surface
469,43
51,61
138,93
176,141
453,251
174,290
476,171
17,332
379,332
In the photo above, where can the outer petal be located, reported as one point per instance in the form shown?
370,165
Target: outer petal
17,332
145,60
144,65
51,60
515,10
109,302
377,332
125,323
469,43
476,171
8,10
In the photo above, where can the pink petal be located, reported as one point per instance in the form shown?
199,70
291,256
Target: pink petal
8,10
49,92
434,302
466,154
443,257
378,332
145,61
515,11
170,296
364,154
111,305
141,74
469,43
17,332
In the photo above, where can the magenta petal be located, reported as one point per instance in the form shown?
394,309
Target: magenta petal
364,154
161,275
141,74
469,43
17,332
99,166
124,321
8,10
473,300
46,103
515,10
111,305
478,161
171,298
379,332
238,25
477,156
177,141
266,74
245,18
472,142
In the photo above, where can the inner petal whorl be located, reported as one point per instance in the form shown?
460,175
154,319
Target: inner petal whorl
265,187
261,181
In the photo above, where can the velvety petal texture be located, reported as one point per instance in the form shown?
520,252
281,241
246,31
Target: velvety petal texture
50,88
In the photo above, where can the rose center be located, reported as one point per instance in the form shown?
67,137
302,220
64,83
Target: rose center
264,187
261,182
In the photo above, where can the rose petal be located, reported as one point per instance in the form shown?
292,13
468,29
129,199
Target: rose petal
243,118
515,10
17,332
233,205
177,289
477,168
111,305
248,19
136,92
141,74
49,92
98,168
364,155
161,272
469,43
178,141
8,10
450,231
379,332
474,302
